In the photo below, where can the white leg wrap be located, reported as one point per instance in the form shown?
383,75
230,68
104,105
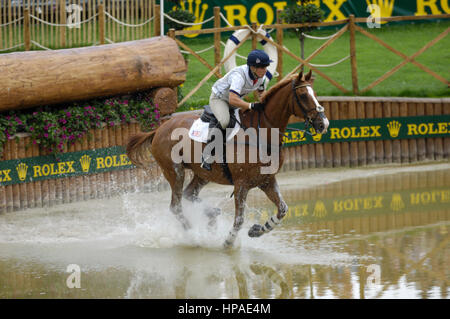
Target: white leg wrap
271,223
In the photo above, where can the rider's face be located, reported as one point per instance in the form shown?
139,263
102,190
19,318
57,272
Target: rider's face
259,71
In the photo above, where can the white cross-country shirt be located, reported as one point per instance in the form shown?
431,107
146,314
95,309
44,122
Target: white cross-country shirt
238,81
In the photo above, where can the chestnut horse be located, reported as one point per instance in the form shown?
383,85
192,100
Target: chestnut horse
293,96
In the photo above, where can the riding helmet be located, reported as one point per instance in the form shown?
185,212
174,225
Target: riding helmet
258,58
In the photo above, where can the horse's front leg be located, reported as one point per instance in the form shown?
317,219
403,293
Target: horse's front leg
272,191
240,196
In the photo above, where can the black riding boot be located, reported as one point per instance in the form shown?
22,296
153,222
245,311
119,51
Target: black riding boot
211,138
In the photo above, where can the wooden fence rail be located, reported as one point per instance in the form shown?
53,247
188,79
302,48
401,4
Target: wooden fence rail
349,25
84,22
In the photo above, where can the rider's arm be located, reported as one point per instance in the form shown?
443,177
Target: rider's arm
235,100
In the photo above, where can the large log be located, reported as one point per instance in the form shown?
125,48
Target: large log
34,78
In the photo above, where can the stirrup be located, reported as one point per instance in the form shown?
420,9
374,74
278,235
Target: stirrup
205,165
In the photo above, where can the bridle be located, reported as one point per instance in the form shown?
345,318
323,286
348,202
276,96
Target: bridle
308,120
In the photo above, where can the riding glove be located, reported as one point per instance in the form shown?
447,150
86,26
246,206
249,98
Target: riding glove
258,106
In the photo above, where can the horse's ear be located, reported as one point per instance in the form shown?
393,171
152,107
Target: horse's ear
300,77
308,76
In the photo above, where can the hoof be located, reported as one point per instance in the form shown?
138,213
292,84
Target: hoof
212,212
255,231
227,244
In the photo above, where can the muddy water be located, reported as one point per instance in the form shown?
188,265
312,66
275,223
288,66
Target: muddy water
349,233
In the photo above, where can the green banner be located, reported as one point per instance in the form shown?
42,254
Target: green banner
371,130
244,12
67,165
372,204
114,158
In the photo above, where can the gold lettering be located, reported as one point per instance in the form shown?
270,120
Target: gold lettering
337,206
345,132
45,170
423,129
335,133
354,132
115,163
412,129
70,168
6,176
100,162
365,131
61,167
378,202
53,172
124,160
108,161
375,131
414,199
267,8
445,7
432,129
280,5
37,171
442,128
241,12
421,4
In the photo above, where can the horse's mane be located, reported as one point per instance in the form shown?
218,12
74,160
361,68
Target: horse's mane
268,94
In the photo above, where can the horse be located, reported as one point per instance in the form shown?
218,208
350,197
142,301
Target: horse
292,96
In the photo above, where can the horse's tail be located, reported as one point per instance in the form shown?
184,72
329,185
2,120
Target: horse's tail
139,148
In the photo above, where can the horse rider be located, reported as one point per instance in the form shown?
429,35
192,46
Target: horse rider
228,91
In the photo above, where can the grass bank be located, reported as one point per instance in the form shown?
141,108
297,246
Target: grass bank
373,60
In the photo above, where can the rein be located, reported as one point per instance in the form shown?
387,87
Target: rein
308,121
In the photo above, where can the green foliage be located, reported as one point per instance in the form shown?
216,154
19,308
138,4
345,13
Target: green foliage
53,129
180,15
303,13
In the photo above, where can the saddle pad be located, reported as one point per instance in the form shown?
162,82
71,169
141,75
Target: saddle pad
199,129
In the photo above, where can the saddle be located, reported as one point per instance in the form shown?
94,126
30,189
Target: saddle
209,117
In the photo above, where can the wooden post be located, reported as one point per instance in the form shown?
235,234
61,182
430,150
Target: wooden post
369,113
362,146
379,145
353,145
387,112
171,33
26,29
404,142
345,146
254,36
217,48
446,142
328,149
396,146
280,42
438,142
412,111
334,115
62,20
101,23
157,23
353,55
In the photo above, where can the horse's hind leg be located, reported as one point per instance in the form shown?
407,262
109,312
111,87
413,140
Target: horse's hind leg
240,196
175,176
193,189
191,193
